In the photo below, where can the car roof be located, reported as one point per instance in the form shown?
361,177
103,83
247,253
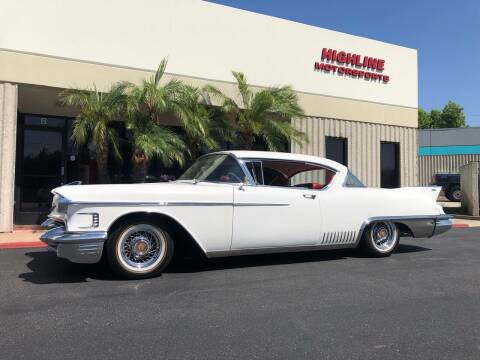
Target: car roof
271,155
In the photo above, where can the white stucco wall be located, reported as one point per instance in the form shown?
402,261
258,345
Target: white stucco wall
203,40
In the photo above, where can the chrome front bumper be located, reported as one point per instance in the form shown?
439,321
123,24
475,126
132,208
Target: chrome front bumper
79,247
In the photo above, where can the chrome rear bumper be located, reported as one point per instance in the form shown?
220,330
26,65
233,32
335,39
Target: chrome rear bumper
421,226
79,247
442,225
428,226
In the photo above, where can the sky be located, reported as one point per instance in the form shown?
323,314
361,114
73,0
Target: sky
446,34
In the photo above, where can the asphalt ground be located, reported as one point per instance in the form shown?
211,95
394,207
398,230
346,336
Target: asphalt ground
423,302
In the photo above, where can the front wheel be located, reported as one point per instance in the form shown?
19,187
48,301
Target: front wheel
139,250
381,238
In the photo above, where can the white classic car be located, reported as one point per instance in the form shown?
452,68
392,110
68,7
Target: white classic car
237,202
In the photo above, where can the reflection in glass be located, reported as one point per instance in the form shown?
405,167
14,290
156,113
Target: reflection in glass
42,164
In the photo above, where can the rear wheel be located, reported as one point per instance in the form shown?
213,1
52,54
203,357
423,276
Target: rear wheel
139,250
454,194
381,238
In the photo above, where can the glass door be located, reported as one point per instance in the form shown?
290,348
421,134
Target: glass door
41,159
42,168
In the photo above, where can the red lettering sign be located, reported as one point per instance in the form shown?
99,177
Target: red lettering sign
350,64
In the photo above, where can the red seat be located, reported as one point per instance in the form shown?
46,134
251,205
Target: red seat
317,186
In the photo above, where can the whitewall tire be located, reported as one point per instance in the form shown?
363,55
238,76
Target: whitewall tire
381,238
140,250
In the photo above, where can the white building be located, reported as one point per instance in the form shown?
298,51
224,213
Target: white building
359,95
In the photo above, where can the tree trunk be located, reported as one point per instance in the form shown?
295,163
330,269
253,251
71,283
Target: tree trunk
102,164
247,141
140,166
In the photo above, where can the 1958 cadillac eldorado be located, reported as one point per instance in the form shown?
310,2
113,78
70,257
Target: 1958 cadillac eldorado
237,202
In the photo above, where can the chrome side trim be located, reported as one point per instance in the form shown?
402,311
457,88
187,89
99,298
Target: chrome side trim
153,203
260,204
272,250
175,203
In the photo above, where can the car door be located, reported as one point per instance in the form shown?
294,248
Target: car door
272,217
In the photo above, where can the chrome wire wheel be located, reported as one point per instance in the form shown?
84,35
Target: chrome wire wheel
384,236
141,248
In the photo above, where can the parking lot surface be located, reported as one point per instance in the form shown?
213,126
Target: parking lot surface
421,303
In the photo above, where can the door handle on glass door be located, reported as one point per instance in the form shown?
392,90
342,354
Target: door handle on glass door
309,196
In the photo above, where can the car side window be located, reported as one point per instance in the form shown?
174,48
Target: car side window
255,168
215,168
227,171
313,179
352,181
289,174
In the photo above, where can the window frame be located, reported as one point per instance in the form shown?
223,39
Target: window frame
344,148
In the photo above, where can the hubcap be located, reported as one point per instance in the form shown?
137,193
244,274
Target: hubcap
384,236
457,194
141,248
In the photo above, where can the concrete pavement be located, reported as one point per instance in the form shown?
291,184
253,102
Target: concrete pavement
420,303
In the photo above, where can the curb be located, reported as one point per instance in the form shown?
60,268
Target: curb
22,245
466,217
459,226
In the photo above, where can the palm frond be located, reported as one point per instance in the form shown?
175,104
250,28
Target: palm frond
81,128
160,72
285,102
227,104
158,142
243,88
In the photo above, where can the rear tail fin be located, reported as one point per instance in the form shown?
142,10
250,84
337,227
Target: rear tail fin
431,191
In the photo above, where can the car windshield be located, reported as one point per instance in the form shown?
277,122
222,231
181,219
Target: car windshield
215,168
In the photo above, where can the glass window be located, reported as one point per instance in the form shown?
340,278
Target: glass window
389,165
336,149
215,168
255,168
42,168
352,181
318,177
290,174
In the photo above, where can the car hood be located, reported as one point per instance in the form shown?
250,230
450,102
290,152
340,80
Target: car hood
148,192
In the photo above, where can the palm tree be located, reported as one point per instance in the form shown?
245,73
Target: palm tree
151,101
97,111
150,141
264,114
205,127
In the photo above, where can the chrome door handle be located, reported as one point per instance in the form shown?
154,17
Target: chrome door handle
309,196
